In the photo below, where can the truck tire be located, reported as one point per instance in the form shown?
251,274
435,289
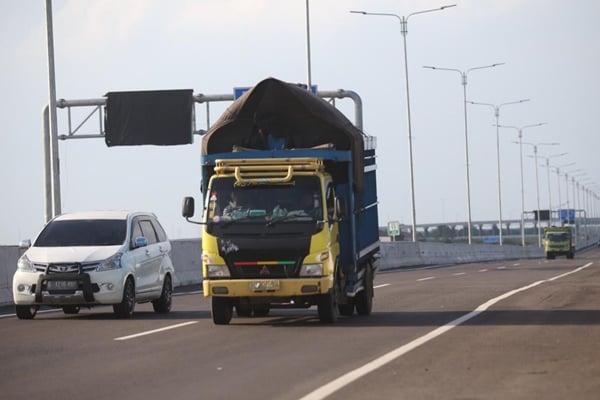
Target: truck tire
364,298
327,307
26,312
222,310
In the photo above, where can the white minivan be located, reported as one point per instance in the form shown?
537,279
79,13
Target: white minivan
90,258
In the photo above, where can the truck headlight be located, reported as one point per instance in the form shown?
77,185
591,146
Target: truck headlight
113,262
24,264
311,270
217,271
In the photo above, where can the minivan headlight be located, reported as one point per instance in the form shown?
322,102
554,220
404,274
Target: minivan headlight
110,263
24,264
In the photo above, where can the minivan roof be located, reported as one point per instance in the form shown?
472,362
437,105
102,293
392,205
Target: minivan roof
101,214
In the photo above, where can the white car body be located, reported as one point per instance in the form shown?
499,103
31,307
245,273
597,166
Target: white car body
88,275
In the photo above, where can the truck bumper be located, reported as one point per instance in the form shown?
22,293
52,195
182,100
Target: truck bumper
267,287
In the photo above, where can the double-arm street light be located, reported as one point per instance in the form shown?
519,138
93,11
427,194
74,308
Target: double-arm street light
496,108
463,75
404,29
520,133
537,186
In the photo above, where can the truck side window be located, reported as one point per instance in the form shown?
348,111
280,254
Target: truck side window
330,202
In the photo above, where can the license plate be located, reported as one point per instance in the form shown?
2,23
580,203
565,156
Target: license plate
62,285
264,286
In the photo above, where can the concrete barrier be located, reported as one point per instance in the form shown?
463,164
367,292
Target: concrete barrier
186,258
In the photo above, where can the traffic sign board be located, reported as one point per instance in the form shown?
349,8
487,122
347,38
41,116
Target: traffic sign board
393,228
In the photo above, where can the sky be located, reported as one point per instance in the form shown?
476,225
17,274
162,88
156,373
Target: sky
550,50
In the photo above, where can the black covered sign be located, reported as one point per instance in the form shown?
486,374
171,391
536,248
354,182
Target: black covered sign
159,117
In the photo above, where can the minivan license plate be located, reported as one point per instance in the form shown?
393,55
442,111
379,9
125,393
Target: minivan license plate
63,285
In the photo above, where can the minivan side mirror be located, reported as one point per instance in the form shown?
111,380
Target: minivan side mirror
187,210
140,241
25,244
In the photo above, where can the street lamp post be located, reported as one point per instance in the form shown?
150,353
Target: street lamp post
497,115
463,75
559,209
520,133
404,29
537,186
549,191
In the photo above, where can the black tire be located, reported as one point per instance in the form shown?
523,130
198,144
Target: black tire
243,310
163,303
364,298
222,310
346,309
71,309
327,307
125,308
261,310
26,312
570,256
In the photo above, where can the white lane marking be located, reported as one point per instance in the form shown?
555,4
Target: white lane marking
503,267
425,279
516,265
346,379
459,273
166,328
483,270
380,286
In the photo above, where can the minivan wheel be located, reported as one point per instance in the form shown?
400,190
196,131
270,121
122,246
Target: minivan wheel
163,303
26,312
125,308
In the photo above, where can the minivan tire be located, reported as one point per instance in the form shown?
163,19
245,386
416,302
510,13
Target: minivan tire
125,308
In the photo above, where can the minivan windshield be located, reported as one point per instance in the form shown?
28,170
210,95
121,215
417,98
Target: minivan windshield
88,232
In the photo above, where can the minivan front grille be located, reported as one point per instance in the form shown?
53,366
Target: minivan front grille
59,268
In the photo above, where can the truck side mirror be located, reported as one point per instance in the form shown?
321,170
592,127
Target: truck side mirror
341,207
187,209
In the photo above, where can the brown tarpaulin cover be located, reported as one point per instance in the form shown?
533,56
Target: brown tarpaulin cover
286,111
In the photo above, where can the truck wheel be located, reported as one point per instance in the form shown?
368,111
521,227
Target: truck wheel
164,302
327,307
125,308
71,309
26,312
364,298
222,310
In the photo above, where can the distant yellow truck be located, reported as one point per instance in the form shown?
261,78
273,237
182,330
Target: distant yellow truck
558,241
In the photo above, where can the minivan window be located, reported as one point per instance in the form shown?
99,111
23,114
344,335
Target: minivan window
88,232
148,231
160,232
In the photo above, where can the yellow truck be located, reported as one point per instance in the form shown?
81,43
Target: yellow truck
289,211
559,241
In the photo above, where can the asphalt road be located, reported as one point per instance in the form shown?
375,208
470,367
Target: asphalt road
518,330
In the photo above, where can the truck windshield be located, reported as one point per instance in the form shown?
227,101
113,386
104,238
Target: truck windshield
301,200
558,237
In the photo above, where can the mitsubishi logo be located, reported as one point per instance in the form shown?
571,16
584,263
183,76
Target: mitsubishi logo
265,271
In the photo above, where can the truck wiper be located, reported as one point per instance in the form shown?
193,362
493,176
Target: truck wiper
289,217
